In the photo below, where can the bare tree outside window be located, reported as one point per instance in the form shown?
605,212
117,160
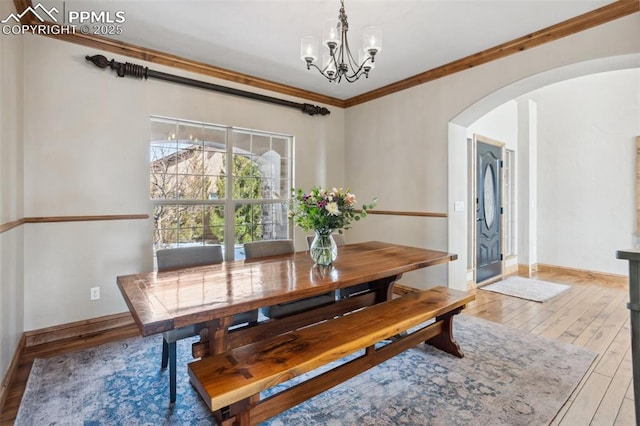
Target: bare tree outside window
181,174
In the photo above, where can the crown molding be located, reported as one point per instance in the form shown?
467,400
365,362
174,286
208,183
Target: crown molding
607,13
575,25
175,61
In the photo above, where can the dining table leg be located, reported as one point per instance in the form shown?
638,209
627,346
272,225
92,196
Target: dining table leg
218,332
384,288
217,342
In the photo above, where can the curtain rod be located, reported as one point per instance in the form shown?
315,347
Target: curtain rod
138,71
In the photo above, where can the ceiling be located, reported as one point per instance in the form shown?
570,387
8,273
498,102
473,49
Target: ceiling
261,38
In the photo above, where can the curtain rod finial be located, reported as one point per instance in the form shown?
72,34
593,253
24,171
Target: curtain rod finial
98,60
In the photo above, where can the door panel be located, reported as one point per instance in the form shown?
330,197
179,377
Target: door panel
489,223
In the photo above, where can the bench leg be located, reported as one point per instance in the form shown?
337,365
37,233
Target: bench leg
445,341
237,414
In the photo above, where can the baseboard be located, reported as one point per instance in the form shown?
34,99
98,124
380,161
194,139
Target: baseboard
603,278
490,281
11,371
510,270
507,271
525,270
77,329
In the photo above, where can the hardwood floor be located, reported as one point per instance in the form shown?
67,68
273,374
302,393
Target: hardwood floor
592,314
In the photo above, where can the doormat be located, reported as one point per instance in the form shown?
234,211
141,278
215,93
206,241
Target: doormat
527,288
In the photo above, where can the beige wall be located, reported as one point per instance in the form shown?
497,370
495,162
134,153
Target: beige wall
11,193
587,130
86,153
401,149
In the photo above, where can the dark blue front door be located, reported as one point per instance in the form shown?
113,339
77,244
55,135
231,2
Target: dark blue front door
489,244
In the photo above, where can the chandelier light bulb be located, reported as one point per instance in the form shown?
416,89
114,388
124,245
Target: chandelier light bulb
331,34
372,40
309,49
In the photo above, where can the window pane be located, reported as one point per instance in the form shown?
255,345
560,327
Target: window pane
247,223
243,234
162,171
275,221
213,217
281,146
261,144
268,188
162,130
165,225
217,189
190,187
247,178
241,143
285,166
190,224
214,137
162,238
255,222
189,159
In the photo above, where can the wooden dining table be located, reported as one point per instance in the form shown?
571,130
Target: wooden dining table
210,295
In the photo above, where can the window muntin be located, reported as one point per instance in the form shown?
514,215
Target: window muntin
189,166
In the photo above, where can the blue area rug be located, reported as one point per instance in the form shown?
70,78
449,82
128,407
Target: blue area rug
506,378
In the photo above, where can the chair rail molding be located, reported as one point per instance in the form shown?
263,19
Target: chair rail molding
405,213
4,227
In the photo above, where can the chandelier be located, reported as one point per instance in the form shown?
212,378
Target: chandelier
339,62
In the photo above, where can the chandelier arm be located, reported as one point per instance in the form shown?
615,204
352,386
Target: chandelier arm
354,77
351,70
353,65
322,72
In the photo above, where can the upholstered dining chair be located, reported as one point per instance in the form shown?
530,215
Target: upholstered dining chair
257,249
184,257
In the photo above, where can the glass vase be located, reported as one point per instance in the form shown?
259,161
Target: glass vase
323,250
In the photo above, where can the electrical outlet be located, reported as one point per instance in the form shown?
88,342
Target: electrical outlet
95,293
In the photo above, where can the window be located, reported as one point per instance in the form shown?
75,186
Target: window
510,234
212,184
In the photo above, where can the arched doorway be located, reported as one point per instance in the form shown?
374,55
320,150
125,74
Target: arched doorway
459,230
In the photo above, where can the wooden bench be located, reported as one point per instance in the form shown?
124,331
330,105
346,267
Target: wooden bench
230,383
